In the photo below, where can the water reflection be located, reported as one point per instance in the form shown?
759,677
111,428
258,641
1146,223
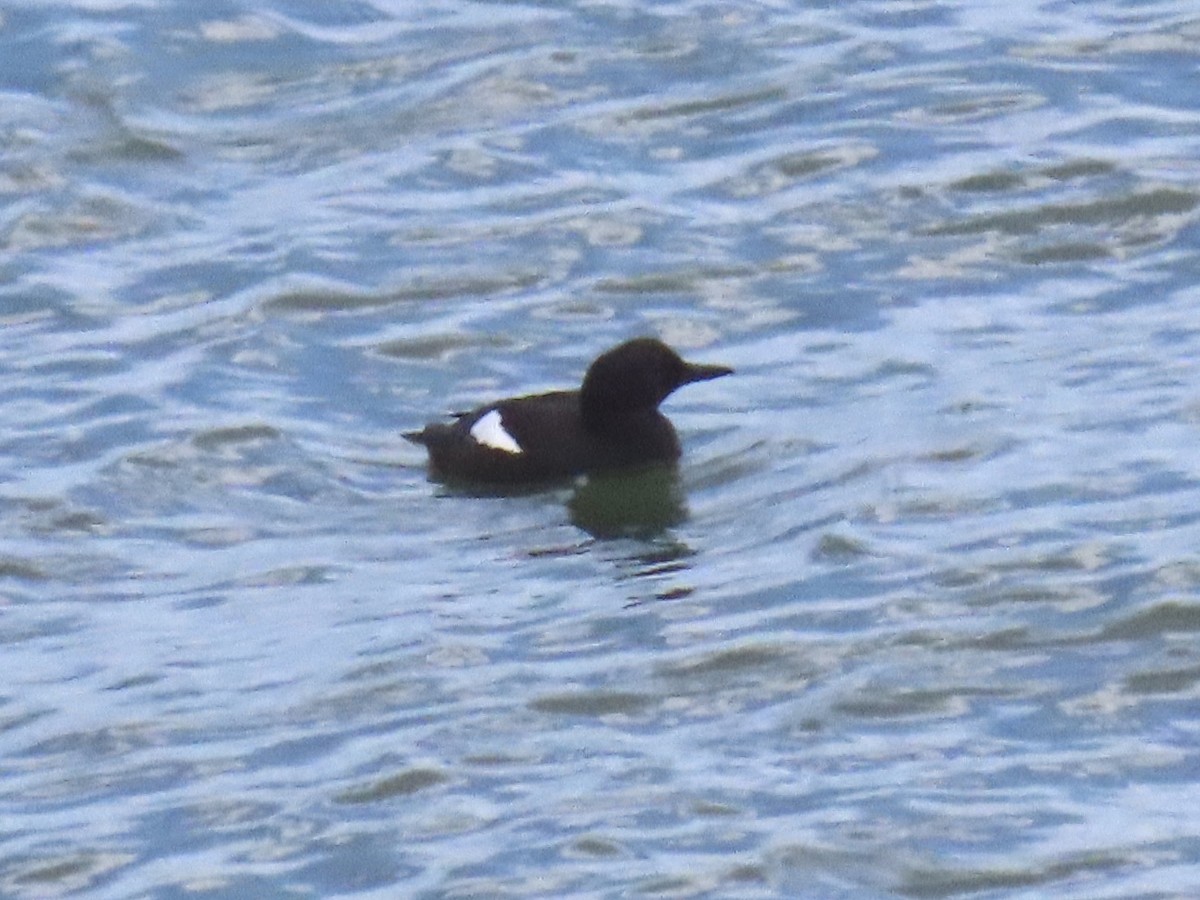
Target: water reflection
638,504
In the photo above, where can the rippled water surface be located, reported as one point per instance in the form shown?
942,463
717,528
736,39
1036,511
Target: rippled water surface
916,617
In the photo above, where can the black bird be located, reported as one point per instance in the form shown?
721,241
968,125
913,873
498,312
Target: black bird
611,422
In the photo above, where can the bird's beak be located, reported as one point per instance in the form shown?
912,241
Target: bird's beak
702,372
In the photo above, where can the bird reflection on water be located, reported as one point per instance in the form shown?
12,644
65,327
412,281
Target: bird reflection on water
633,503
640,504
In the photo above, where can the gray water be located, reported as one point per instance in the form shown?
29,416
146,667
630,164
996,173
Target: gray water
916,617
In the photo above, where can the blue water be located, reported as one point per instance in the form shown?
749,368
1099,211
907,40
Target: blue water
916,617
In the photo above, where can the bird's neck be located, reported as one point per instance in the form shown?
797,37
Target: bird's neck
603,418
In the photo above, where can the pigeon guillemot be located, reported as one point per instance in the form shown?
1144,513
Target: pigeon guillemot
611,422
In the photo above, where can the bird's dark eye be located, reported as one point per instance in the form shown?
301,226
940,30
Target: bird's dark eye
678,371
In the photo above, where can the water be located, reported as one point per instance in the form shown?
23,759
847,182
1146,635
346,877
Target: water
917,616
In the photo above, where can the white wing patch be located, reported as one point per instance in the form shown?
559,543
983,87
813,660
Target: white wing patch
489,431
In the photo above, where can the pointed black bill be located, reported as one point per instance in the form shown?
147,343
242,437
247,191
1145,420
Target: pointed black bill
702,372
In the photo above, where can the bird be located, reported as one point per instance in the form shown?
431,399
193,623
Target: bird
611,423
